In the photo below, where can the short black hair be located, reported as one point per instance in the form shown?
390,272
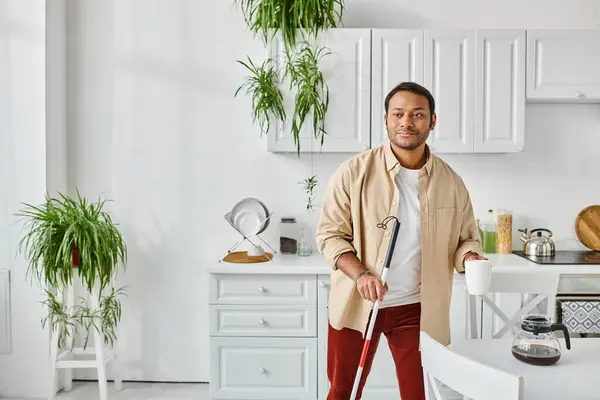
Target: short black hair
413,88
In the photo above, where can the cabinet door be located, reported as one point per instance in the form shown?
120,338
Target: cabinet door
347,71
397,57
563,65
449,75
323,327
499,91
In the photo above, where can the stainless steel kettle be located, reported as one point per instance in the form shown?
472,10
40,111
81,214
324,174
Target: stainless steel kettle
537,245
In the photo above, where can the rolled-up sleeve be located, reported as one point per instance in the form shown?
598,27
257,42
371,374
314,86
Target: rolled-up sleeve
334,230
469,236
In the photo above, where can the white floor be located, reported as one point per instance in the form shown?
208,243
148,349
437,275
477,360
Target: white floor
137,391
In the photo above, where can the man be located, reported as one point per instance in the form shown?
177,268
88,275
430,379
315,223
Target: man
437,234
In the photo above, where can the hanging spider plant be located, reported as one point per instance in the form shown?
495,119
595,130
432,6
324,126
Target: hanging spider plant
266,17
64,235
263,86
312,91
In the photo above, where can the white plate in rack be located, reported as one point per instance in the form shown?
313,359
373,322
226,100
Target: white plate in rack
247,215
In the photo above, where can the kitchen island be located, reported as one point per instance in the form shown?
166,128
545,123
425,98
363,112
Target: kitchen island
268,326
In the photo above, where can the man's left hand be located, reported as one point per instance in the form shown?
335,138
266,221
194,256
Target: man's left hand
473,256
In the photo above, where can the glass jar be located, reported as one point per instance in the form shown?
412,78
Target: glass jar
504,231
489,234
288,235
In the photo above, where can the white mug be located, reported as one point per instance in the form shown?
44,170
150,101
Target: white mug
478,276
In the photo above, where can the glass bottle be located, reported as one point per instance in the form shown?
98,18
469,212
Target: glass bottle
489,234
479,230
304,248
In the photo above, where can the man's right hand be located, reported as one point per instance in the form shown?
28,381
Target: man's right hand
371,288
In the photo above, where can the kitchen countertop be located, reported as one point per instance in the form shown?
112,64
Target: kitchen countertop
316,264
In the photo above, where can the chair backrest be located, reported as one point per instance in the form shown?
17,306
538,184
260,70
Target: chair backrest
541,286
468,377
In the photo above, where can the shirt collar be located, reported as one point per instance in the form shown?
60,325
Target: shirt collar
391,160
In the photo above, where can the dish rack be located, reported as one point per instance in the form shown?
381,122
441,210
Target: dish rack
254,233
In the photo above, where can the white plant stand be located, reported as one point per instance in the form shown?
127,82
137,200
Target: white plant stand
67,358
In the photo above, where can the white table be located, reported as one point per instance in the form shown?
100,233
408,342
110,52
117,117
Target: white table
576,376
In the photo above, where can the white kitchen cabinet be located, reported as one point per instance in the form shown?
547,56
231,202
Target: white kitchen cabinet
347,71
449,76
397,57
499,109
263,339
563,65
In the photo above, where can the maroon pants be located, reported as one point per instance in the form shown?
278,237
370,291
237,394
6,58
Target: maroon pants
401,326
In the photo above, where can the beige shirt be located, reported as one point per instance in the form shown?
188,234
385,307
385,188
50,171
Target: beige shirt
359,196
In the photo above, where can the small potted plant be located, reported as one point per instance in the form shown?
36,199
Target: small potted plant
68,236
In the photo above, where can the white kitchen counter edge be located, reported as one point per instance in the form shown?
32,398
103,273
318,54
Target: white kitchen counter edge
316,264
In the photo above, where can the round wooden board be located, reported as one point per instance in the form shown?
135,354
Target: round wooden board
242,257
587,227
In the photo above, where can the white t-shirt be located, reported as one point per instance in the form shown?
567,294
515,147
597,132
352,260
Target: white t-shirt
404,276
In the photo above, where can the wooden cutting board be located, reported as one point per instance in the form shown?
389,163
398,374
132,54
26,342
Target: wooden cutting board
587,227
242,257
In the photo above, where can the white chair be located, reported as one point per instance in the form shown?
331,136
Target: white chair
466,376
536,287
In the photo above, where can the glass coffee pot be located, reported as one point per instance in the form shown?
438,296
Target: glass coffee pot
536,343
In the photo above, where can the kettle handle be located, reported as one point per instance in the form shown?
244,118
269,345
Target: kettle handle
541,230
561,327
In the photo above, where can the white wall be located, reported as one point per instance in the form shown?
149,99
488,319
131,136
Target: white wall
153,124
24,372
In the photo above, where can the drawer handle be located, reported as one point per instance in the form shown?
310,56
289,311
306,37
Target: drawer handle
261,321
262,370
261,289
322,284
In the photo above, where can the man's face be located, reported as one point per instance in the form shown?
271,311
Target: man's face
408,120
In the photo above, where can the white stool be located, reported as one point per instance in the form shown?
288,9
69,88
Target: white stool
65,359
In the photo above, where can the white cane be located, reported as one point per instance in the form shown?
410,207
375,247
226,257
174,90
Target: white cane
386,268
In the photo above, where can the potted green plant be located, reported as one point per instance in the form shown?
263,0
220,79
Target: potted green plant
263,85
65,236
266,17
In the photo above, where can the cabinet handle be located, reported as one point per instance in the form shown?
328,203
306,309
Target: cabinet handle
261,289
261,321
578,94
262,370
365,147
322,284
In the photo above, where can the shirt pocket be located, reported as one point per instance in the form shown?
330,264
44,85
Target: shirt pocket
448,223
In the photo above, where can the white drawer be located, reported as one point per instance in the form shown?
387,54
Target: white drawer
263,368
263,320
263,289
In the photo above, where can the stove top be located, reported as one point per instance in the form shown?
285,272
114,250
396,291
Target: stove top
565,257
